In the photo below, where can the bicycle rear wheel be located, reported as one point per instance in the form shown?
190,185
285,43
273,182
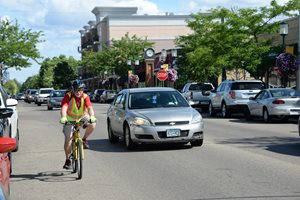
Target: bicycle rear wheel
78,162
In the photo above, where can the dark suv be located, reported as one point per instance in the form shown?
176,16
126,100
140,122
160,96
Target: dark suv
232,96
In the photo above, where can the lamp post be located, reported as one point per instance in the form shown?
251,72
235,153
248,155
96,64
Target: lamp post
283,31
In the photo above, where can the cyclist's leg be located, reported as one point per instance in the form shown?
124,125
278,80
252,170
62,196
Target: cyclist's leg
67,130
89,130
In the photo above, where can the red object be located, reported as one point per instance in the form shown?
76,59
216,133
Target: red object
278,101
232,94
6,145
162,75
66,101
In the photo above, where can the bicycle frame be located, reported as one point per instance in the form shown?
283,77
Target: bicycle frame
76,138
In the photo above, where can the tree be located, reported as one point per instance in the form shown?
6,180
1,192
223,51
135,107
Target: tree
17,45
64,72
128,48
12,86
114,58
31,82
229,39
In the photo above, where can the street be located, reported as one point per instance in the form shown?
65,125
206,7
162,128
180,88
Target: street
239,160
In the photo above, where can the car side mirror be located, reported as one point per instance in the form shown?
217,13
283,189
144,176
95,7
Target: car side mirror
11,102
6,112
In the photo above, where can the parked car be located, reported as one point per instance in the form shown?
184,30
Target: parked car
20,96
55,98
7,145
198,94
97,94
7,102
153,115
272,103
107,96
43,95
30,95
232,96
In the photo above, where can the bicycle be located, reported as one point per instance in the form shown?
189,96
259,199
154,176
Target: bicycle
77,152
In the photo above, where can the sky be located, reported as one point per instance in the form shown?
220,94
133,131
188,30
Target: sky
60,20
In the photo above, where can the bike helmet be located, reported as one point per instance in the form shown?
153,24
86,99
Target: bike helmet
77,85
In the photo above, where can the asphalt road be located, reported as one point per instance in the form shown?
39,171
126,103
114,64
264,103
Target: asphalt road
238,160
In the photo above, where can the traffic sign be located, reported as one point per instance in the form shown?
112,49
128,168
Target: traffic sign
162,75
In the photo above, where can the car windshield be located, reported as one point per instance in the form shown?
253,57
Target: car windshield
248,86
58,93
156,99
201,86
284,93
46,91
33,91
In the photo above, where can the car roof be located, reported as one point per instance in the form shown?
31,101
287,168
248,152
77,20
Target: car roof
242,81
149,89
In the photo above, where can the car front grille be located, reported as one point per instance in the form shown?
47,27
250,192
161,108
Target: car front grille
171,123
163,134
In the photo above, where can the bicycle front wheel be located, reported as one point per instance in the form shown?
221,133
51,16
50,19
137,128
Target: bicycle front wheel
73,158
79,162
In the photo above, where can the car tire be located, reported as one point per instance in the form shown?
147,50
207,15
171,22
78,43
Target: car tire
127,138
39,104
111,137
17,141
224,111
266,116
197,143
248,114
211,110
49,108
9,154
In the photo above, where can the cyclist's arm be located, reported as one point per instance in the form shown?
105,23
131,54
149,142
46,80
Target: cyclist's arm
64,106
89,106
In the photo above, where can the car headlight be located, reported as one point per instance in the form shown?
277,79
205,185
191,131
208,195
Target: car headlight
138,121
196,119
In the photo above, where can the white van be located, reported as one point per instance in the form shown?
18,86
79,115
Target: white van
43,95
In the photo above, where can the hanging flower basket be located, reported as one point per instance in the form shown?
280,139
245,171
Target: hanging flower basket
286,64
172,75
133,79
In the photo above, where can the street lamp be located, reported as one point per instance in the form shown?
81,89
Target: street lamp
283,31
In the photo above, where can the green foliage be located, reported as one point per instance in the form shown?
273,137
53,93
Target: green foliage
228,38
64,72
31,82
12,86
114,58
17,45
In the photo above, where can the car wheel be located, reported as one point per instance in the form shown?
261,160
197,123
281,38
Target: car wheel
112,138
224,111
17,141
39,104
10,160
248,114
127,138
266,116
197,143
211,110
49,107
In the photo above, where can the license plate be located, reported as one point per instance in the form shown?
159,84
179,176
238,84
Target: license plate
173,132
204,102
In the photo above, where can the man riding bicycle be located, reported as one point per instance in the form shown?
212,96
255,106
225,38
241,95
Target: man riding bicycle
74,105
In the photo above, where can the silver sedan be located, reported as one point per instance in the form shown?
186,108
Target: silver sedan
153,115
275,102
